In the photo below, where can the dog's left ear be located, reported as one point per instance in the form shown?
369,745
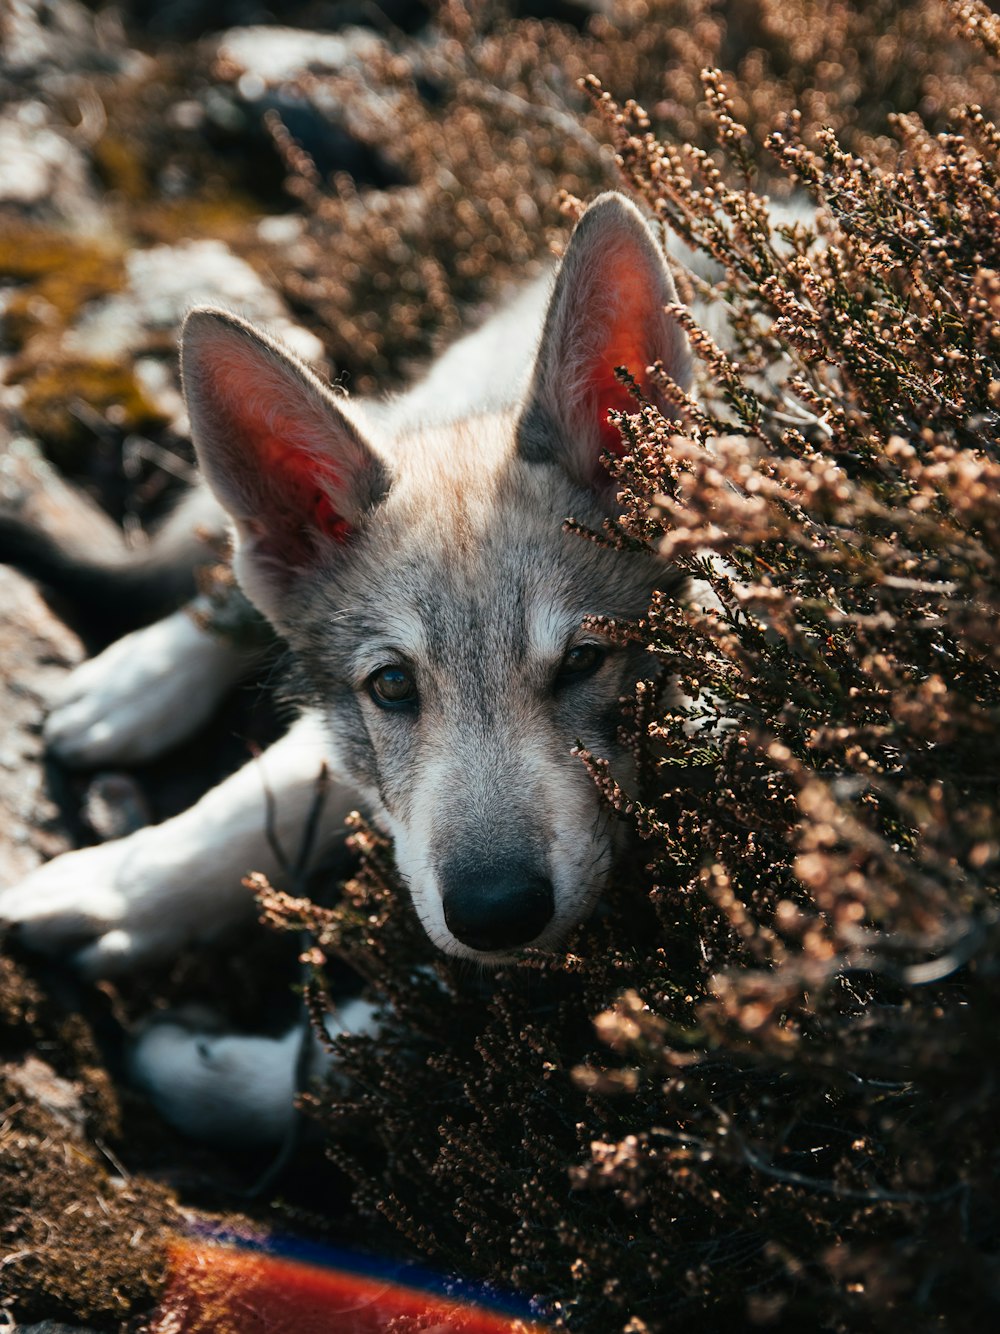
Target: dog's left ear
281,455
606,311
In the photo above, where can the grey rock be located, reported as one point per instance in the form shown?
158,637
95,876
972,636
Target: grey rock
35,651
264,57
163,283
36,1081
41,172
53,41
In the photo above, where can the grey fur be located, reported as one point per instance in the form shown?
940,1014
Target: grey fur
459,570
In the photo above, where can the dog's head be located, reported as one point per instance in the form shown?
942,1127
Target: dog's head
433,599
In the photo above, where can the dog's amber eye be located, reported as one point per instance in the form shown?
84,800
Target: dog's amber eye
581,660
393,687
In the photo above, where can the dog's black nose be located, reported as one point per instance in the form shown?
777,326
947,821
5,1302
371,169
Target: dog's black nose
498,912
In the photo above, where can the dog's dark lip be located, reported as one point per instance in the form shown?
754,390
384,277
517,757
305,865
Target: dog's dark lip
491,958
547,945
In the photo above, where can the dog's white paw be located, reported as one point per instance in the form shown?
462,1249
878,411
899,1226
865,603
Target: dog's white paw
219,1087
142,695
228,1088
116,906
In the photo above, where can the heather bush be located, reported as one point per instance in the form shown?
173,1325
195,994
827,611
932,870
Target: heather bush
489,122
760,1088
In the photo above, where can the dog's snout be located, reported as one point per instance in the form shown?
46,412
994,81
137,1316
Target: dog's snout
499,911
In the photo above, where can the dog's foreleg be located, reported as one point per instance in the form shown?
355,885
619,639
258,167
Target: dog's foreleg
143,897
144,693
231,1088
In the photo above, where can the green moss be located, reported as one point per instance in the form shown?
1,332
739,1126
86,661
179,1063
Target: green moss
58,274
108,389
120,162
228,216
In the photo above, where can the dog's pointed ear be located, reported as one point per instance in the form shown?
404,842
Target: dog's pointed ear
606,310
282,458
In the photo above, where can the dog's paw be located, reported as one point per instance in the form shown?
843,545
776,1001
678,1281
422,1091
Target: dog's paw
111,908
87,906
142,695
64,902
229,1088
220,1087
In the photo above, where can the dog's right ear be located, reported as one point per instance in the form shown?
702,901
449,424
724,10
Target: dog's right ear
282,458
606,310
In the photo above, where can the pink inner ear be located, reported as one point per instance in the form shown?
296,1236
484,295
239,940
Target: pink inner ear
299,487
611,396
628,342
295,482
328,521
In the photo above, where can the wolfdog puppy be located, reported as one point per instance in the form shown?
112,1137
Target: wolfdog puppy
413,556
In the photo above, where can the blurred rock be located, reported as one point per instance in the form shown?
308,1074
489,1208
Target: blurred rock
274,70
54,55
262,57
186,19
32,488
42,172
53,41
36,1080
35,650
163,284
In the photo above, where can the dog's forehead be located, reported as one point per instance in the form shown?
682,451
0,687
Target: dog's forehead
492,573
466,562
488,575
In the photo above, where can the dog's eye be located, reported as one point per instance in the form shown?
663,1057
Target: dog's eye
393,688
582,660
